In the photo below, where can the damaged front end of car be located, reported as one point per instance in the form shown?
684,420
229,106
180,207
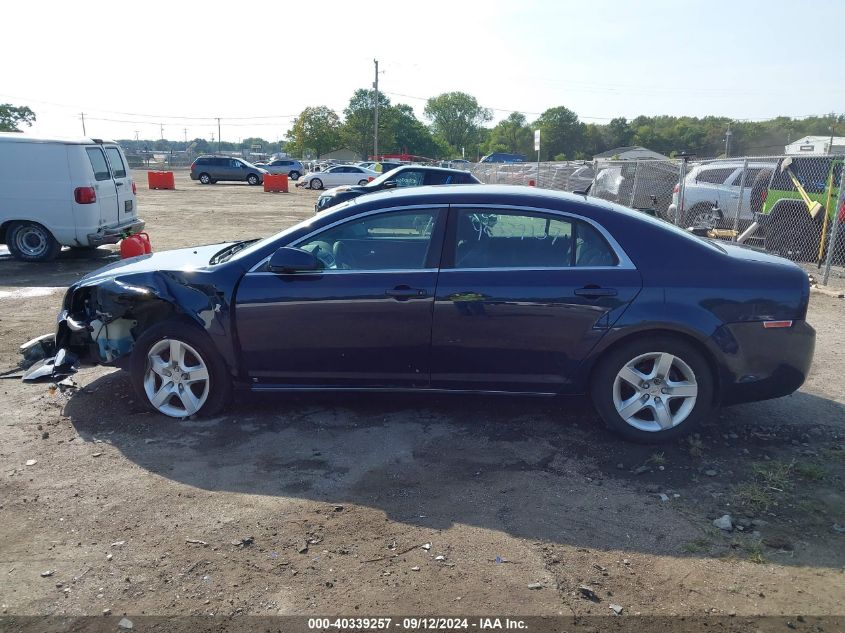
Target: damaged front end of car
101,319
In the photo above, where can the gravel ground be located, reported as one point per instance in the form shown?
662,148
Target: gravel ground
375,504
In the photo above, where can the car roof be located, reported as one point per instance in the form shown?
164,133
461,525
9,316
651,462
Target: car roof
433,168
25,137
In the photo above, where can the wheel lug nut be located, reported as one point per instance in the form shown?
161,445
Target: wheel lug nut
664,390
646,385
657,400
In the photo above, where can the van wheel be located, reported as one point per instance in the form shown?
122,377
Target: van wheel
653,388
31,242
252,179
205,179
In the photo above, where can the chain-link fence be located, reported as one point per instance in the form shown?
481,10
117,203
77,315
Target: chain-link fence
788,206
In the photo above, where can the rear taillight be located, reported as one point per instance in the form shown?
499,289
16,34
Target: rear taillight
84,195
763,195
841,216
193,165
134,189
769,325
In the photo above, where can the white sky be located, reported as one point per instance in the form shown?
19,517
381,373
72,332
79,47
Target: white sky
149,62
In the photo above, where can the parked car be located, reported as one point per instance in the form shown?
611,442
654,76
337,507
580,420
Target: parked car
502,157
293,168
211,169
406,176
475,288
789,228
337,175
711,193
63,192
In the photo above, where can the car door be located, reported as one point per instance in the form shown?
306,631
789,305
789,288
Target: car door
364,321
522,297
239,171
123,183
104,185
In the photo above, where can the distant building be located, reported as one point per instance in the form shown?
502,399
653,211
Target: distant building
634,152
816,145
340,154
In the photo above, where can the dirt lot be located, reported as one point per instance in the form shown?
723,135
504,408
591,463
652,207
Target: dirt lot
346,504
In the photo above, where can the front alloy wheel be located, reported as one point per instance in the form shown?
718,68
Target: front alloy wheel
176,381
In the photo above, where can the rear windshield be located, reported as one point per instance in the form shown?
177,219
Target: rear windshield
98,163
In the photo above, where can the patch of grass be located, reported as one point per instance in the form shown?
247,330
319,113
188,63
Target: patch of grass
831,454
697,545
814,471
695,446
753,497
755,554
774,475
657,459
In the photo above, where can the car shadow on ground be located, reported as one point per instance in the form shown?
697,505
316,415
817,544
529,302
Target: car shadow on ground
540,469
68,267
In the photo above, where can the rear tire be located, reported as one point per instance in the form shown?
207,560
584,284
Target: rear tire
205,179
362,183
252,179
294,175
31,242
653,388
154,370
316,183
702,214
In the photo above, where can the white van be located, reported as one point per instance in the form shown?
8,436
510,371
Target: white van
58,192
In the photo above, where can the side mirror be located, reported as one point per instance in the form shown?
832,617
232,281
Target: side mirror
293,260
390,184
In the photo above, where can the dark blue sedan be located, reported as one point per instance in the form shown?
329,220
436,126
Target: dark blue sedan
490,289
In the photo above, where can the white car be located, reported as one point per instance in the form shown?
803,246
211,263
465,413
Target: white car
711,193
58,192
337,175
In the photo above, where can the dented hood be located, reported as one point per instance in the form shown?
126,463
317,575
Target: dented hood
182,260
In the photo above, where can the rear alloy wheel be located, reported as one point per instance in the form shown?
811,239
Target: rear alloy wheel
31,242
205,179
653,389
294,175
703,215
316,183
362,182
252,179
178,373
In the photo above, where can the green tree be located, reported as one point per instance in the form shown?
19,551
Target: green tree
12,116
316,128
359,122
457,118
409,133
619,133
511,135
560,132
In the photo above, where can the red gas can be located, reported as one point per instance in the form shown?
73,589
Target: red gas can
134,245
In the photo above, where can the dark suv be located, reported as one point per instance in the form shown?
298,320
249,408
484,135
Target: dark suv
210,169
405,176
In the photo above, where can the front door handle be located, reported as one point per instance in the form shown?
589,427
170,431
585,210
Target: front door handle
593,292
403,293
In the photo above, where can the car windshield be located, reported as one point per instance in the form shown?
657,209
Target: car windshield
226,254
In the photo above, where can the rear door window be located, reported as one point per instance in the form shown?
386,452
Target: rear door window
440,178
116,162
98,163
714,176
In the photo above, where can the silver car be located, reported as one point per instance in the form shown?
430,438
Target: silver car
293,168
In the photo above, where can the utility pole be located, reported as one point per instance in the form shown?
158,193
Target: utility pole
161,126
728,142
136,136
212,138
219,136
185,130
82,115
830,146
375,118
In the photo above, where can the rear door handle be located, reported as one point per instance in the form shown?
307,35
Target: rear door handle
595,292
118,183
401,293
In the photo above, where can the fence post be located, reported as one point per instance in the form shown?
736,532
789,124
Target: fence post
741,192
682,174
831,245
634,184
595,177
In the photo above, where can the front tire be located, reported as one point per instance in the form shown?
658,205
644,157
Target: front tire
653,388
177,372
316,183
703,215
205,179
31,242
